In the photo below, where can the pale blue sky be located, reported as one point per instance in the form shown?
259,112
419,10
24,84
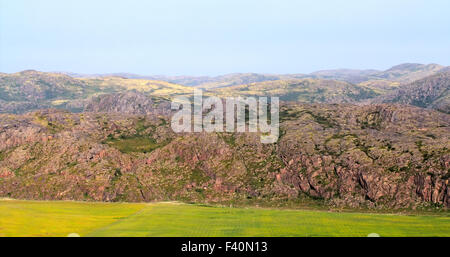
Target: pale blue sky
211,37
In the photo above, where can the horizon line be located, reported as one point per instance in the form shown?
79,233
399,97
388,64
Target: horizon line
69,73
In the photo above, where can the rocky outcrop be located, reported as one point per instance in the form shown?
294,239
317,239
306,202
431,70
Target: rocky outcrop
380,156
131,102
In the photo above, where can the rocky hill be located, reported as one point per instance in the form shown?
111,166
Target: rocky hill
31,90
343,155
28,90
129,102
39,86
117,144
430,92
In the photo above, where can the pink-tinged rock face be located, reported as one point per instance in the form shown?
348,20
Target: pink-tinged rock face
5,173
381,155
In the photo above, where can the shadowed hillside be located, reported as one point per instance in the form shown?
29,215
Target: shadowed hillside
430,92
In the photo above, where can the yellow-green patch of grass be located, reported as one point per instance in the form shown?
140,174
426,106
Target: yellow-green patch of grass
134,144
59,218
59,102
28,218
164,219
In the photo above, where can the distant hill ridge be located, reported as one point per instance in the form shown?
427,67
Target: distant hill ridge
31,90
406,72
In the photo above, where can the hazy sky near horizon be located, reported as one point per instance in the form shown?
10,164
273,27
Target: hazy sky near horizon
211,37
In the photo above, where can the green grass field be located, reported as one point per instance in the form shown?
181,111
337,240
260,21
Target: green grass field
60,218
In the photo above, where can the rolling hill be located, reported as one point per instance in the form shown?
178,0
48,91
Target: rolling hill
31,90
409,72
302,90
401,74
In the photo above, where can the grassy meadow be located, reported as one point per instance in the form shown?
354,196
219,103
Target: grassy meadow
60,218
